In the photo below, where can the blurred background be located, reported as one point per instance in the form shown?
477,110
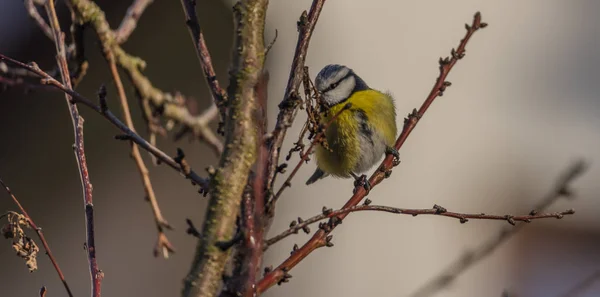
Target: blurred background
523,106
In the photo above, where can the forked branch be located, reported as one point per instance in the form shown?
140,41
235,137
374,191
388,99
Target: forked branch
96,274
40,234
322,237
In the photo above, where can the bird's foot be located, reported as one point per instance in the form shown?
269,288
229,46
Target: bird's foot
394,152
362,181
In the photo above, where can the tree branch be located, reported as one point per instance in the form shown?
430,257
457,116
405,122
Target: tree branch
61,57
163,246
41,236
218,94
291,100
462,264
129,22
103,110
35,15
435,210
168,105
322,237
230,179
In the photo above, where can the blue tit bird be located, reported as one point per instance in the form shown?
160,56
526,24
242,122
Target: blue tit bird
359,136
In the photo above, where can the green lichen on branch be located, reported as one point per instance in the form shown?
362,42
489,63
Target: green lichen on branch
229,181
89,12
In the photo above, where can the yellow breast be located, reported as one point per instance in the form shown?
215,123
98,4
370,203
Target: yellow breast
342,135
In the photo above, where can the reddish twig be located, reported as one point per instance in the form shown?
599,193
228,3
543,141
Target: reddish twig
303,159
466,261
59,40
134,12
163,246
40,234
322,237
191,20
435,210
289,105
103,110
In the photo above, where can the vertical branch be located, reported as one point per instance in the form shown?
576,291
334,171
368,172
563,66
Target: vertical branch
41,236
59,37
191,20
163,246
230,179
291,100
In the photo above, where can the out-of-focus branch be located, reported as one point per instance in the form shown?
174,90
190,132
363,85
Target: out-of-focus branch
322,238
35,15
41,236
129,22
163,246
582,286
177,164
437,210
462,264
291,100
191,20
230,179
167,105
77,121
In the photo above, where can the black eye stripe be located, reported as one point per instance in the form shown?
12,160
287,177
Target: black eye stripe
335,84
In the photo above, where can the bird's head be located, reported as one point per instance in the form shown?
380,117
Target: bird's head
336,83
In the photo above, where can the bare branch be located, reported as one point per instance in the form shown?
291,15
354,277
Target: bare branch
303,159
462,264
321,237
41,236
167,105
230,179
59,40
163,246
289,105
35,15
103,110
191,20
435,210
129,22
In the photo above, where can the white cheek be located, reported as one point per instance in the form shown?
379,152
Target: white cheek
341,92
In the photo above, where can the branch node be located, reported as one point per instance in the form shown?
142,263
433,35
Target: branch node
439,209
192,230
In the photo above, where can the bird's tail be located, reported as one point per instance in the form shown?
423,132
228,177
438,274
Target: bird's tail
319,174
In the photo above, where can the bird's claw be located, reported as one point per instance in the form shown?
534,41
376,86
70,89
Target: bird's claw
394,152
362,181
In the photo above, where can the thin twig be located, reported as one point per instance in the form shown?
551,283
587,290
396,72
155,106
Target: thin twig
163,246
289,105
103,110
303,159
456,268
35,15
321,237
167,105
436,210
61,57
191,20
41,236
129,22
